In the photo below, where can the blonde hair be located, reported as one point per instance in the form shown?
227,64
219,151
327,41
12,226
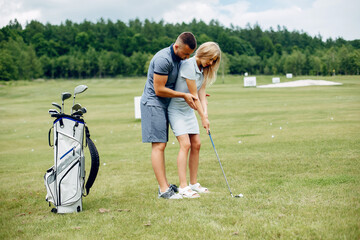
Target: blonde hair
209,50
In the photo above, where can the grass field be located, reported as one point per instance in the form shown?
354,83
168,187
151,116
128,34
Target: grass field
293,152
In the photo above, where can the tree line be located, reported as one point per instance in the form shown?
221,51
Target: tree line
111,49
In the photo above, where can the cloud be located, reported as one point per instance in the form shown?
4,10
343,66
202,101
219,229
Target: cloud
9,10
186,11
334,18
57,11
330,18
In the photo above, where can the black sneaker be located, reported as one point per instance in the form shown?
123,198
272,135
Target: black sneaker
174,188
169,194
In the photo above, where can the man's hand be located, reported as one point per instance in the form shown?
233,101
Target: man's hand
189,99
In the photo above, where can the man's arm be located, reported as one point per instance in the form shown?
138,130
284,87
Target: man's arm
162,91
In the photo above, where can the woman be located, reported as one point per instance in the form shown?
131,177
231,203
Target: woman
195,74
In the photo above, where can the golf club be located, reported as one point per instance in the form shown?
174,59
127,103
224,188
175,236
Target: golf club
77,90
64,96
76,107
56,105
83,110
78,113
53,111
237,196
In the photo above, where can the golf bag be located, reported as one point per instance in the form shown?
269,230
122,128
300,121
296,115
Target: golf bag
65,180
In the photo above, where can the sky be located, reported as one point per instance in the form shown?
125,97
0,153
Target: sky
329,18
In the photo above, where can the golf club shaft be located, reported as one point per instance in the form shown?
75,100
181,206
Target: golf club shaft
73,104
220,164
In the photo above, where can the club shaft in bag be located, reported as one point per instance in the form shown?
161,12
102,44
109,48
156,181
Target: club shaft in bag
220,164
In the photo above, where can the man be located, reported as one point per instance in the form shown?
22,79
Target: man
159,88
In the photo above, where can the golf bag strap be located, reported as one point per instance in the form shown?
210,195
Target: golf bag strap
49,137
87,134
95,162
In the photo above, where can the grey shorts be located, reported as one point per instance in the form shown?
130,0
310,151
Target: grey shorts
154,124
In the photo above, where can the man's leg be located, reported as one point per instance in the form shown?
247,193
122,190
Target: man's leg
158,164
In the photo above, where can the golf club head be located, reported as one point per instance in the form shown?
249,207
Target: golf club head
53,111
239,196
78,113
76,107
56,105
65,95
80,89
83,110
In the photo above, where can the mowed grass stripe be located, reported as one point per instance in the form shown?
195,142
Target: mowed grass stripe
299,182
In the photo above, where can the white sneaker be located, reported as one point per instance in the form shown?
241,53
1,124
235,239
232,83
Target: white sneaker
198,188
186,192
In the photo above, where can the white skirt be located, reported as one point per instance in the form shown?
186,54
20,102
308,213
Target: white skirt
182,118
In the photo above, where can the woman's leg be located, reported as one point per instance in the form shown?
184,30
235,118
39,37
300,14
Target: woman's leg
184,142
194,157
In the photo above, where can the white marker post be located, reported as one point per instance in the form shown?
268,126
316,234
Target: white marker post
137,107
249,81
276,80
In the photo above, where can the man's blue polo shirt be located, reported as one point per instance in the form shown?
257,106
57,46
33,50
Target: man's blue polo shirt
164,62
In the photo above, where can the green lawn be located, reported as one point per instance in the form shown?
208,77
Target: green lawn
293,152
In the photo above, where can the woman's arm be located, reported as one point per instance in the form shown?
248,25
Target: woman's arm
193,90
203,100
162,91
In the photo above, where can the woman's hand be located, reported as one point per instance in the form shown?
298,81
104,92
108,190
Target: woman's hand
206,124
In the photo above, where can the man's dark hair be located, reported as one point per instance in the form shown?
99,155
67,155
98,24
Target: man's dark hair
188,38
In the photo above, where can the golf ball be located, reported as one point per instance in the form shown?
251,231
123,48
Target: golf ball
240,195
